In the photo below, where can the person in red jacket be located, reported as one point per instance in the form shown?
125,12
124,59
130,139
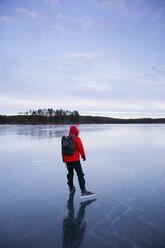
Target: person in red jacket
73,163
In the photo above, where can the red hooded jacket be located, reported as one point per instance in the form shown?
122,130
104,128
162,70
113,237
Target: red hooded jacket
78,147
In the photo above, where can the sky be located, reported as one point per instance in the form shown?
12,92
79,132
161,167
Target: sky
100,57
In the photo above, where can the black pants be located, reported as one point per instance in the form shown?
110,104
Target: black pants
75,165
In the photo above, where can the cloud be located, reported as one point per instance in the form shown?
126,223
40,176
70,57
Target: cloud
60,29
85,80
26,11
129,13
60,16
87,24
113,4
159,69
84,22
84,55
10,102
5,19
51,2
90,75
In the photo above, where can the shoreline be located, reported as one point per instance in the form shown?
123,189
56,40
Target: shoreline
64,120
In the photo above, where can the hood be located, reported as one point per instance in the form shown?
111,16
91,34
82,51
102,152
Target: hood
73,130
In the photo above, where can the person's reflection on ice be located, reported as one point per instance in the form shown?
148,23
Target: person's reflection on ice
74,228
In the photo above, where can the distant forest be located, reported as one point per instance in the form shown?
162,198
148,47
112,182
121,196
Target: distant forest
60,116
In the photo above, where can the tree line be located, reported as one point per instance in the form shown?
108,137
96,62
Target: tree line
60,116
50,112
42,116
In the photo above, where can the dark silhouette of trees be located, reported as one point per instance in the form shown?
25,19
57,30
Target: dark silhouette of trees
42,116
60,116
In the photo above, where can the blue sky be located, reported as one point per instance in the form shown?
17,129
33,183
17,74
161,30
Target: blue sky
104,57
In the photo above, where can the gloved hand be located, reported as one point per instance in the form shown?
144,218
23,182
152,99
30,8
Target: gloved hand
84,159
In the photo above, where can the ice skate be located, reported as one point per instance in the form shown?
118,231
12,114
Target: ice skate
85,193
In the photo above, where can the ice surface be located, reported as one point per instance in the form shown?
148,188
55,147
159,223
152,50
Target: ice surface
125,166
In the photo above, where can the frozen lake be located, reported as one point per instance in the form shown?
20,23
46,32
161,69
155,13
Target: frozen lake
125,166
